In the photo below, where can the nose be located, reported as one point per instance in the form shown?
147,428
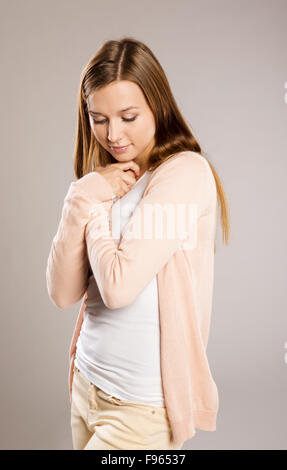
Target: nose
114,134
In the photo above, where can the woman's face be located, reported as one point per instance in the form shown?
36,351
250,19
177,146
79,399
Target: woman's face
114,127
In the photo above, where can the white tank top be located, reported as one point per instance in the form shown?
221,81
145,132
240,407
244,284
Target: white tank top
118,350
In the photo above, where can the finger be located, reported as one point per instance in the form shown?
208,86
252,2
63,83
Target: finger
131,165
125,188
128,177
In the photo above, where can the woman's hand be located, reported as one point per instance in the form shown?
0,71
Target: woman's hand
121,176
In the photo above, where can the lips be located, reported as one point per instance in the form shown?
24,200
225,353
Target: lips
118,148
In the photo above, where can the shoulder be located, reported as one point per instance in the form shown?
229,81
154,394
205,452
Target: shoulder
184,176
186,164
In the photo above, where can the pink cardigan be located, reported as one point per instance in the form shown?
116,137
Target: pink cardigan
184,277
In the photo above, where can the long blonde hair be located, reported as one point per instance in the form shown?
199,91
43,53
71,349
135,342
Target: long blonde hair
130,59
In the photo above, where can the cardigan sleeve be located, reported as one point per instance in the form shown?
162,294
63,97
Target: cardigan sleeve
67,270
123,270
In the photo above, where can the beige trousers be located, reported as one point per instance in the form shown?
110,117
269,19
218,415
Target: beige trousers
101,421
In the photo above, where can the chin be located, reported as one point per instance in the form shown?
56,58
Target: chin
123,158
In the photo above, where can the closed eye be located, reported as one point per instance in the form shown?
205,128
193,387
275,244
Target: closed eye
104,120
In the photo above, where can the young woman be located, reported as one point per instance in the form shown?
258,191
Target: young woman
139,376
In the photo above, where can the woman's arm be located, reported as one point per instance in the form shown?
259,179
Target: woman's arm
122,271
67,269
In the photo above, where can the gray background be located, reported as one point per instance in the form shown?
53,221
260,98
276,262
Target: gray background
226,63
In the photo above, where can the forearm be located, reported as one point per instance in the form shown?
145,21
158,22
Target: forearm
67,270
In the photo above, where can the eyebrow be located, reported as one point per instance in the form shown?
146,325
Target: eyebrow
121,110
